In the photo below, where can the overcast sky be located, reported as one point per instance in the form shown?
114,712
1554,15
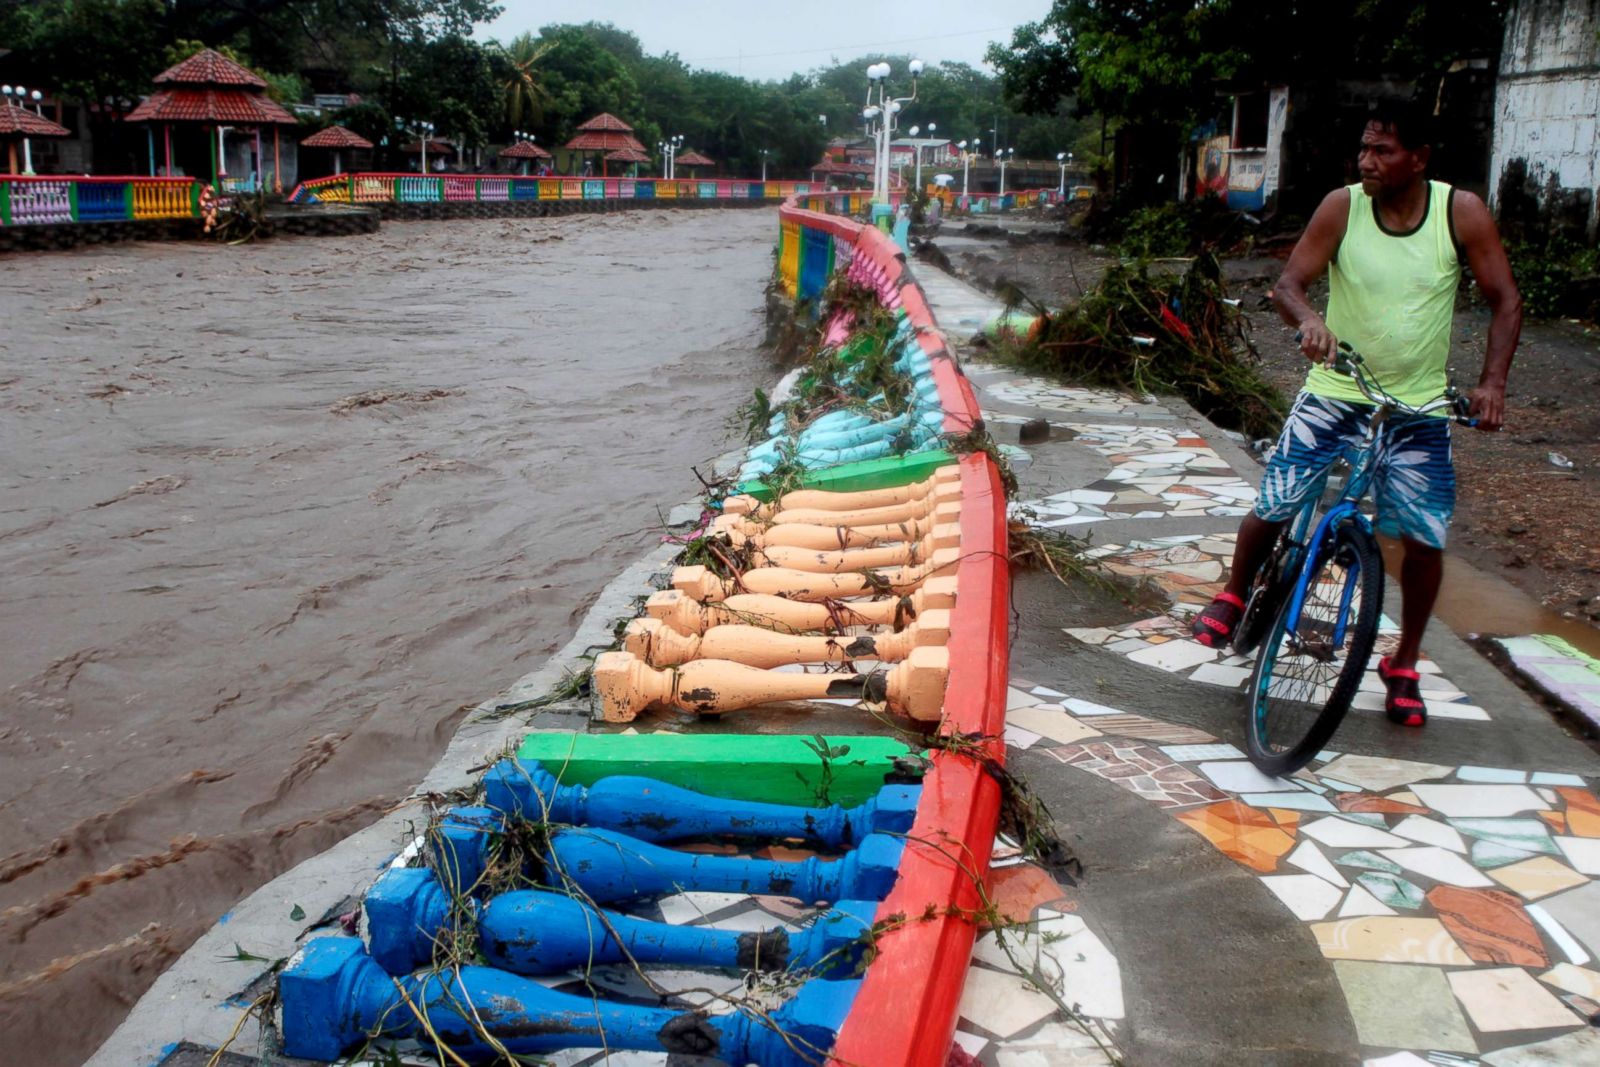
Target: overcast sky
765,40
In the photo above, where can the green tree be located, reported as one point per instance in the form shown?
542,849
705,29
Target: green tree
583,79
453,82
1156,66
525,93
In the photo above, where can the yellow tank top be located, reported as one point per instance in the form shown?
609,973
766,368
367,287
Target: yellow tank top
1392,296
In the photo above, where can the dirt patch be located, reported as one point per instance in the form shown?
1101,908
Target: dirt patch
1519,514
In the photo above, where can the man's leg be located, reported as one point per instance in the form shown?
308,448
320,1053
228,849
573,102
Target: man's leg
1256,538
1415,490
1420,574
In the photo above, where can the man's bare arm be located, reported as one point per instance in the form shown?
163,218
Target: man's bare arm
1311,256
1480,240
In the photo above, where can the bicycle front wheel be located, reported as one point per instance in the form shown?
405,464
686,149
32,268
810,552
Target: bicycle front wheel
1309,667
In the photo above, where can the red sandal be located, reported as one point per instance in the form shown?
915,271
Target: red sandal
1213,627
1403,704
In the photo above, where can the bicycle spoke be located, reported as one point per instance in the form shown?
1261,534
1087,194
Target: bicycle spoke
1308,660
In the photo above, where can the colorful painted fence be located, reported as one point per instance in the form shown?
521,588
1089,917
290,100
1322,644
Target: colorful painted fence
40,200
371,187
910,993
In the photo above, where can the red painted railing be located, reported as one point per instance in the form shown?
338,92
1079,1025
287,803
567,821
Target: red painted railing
905,1013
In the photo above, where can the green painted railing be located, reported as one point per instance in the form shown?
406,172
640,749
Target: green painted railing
42,199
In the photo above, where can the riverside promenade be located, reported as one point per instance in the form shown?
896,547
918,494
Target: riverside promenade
1413,897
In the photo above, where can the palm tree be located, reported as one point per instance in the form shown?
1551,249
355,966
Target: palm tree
525,94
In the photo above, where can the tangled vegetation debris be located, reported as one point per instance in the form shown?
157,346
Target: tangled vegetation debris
1152,329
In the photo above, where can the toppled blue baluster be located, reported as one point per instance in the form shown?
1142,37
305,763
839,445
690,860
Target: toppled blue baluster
458,848
530,931
657,811
333,996
612,867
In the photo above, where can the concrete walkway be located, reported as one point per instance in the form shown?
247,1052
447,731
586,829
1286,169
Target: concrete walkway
1413,897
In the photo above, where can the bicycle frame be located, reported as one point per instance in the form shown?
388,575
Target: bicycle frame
1355,488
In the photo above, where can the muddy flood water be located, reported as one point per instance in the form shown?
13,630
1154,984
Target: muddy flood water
271,516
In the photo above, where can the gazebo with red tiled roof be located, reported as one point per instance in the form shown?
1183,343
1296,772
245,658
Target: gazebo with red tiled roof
524,151
632,156
17,123
210,90
692,159
834,166
604,133
336,138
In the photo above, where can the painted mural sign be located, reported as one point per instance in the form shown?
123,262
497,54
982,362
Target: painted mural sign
1211,166
1247,180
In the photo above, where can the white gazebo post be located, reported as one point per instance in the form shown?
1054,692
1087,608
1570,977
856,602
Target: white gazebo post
27,149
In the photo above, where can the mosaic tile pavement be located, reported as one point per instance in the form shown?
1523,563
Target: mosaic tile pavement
1458,905
1038,393
1192,568
1009,1019
1564,673
1006,1018
1159,472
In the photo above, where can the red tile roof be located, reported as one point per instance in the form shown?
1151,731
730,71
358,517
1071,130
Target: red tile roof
229,106
606,121
210,68
694,159
627,155
336,137
524,150
603,141
833,166
20,122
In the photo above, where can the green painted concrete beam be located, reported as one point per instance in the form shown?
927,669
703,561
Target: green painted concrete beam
774,768
865,474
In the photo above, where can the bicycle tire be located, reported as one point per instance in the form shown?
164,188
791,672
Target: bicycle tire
1286,727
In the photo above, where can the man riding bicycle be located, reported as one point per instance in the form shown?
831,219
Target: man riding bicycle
1394,245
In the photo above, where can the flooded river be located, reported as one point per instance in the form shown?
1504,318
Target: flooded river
271,516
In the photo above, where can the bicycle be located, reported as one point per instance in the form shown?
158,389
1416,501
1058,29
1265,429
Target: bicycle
1313,607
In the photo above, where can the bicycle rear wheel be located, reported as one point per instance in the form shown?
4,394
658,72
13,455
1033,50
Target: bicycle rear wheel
1307,673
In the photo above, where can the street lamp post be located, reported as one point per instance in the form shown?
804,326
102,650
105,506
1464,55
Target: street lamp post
423,131
884,111
966,162
915,131
669,155
1005,158
1061,161
765,152
520,136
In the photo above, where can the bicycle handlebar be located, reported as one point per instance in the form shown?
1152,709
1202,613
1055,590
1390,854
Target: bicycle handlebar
1348,361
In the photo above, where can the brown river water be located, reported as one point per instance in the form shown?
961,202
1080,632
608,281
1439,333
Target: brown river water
271,516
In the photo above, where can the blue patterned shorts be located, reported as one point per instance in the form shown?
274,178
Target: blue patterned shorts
1413,478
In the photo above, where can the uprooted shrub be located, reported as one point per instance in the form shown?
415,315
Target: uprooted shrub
1156,332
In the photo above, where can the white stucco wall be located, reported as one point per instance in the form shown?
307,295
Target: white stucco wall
1547,98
